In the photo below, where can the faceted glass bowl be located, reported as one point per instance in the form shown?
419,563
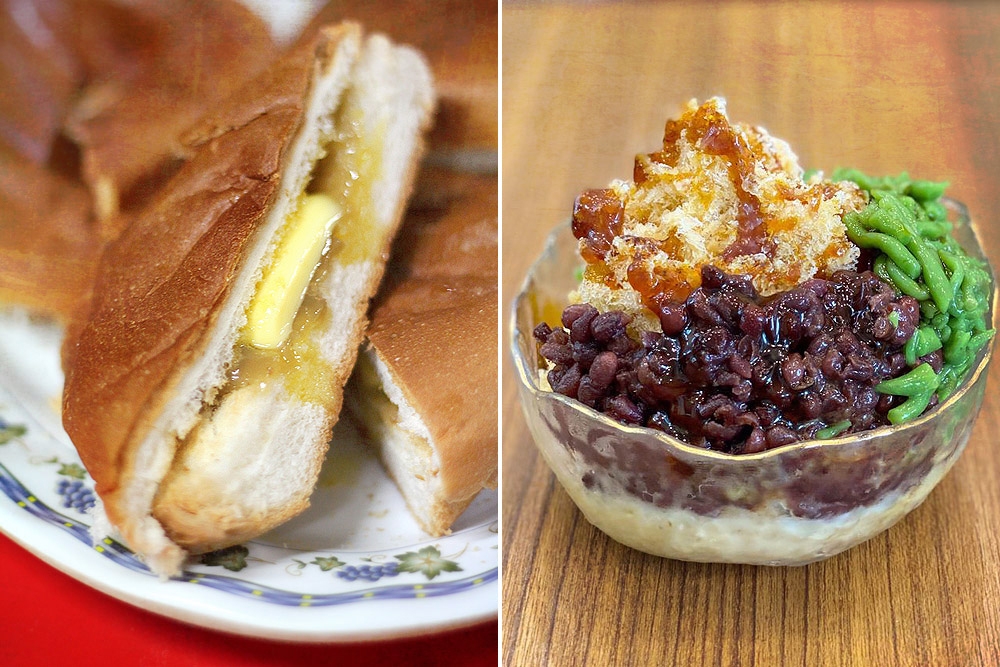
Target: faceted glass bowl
786,506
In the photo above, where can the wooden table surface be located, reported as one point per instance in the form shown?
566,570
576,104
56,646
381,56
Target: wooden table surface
883,87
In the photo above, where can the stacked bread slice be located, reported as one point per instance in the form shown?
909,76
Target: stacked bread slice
196,437
425,388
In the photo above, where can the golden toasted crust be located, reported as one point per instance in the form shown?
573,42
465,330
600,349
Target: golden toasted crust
160,283
459,39
434,326
40,72
48,244
153,69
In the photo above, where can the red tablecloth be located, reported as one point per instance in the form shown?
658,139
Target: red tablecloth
48,618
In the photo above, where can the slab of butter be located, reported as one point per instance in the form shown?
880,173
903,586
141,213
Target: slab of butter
283,286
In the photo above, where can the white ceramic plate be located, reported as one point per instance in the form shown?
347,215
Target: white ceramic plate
355,566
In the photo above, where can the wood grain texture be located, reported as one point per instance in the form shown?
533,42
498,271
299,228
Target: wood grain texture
883,87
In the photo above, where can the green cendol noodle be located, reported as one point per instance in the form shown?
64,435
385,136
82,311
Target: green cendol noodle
907,227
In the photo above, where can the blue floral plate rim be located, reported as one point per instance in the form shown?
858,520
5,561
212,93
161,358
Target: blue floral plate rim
414,586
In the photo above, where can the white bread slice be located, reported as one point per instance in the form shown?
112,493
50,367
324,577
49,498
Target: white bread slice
408,450
201,461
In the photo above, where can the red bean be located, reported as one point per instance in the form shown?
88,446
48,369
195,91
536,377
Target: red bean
603,370
624,410
736,372
573,312
579,330
607,326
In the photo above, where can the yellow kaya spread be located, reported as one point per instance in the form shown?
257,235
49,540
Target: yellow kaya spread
332,223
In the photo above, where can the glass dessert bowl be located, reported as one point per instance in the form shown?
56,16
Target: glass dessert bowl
789,505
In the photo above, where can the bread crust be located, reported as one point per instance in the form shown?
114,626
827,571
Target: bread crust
152,69
48,244
459,39
39,77
159,292
151,309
